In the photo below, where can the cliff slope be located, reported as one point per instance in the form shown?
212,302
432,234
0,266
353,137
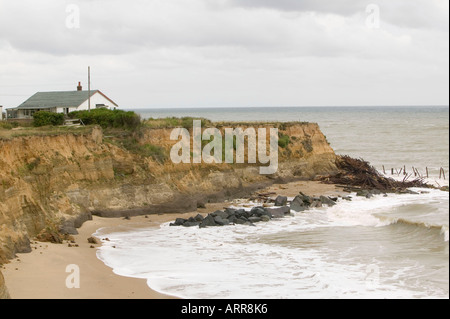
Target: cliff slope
50,185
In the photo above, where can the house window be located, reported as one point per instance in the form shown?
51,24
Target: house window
100,106
66,110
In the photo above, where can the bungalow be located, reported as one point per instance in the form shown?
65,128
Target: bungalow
61,102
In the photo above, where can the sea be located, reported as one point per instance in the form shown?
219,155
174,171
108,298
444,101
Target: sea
394,246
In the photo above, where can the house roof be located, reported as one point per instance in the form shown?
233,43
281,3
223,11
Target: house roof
46,100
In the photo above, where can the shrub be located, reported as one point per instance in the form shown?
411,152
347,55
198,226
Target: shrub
43,118
108,118
156,152
283,140
8,125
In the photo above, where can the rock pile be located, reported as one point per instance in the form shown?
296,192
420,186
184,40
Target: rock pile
232,216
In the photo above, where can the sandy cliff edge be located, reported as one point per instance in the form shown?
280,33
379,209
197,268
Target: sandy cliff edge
53,183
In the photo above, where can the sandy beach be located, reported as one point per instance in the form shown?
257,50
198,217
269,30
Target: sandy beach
42,274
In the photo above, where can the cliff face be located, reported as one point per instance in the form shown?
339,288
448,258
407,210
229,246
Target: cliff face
50,184
3,290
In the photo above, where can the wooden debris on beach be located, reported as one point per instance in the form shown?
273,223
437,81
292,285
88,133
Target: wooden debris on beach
262,196
359,173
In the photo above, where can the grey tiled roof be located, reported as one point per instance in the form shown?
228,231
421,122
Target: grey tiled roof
45,100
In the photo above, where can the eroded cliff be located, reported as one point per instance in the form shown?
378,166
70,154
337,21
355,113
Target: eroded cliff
51,184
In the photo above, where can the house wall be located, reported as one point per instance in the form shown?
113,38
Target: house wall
97,98
28,114
1,113
61,109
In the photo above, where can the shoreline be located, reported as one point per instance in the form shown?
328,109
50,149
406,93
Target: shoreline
42,274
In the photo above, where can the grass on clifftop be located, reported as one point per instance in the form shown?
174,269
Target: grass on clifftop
22,131
174,122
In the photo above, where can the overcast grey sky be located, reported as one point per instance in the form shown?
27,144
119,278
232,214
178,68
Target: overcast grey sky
219,53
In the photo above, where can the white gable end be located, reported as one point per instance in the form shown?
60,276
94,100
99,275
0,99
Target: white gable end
97,100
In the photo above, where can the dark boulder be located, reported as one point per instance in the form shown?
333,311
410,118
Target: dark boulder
279,212
269,214
208,221
364,193
298,205
191,224
232,219
178,222
306,199
254,219
221,221
240,212
216,213
327,201
257,211
281,201
220,213
198,218
230,211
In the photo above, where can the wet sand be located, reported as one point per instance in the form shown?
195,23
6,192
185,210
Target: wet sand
45,272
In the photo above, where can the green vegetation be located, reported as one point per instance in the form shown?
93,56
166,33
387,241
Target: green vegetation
33,164
131,144
108,118
283,140
173,122
43,118
8,125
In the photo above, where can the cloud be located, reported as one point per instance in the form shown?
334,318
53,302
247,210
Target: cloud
227,52
404,13
342,7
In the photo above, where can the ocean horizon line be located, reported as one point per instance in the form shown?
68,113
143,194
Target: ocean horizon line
285,107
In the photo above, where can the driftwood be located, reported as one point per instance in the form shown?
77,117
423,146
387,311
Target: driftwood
359,173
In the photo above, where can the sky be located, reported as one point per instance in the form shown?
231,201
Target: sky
228,53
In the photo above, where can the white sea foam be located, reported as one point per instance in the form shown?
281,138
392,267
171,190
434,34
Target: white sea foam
335,252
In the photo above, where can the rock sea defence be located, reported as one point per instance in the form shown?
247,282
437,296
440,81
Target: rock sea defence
51,184
241,216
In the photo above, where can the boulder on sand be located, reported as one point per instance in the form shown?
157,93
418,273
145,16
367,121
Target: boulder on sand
279,212
191,224
198,218
281,201
221,221
298,204
208,221
178,222
327,201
